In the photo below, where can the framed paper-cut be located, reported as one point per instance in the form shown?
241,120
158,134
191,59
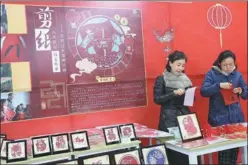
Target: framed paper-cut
41,146
189,127
16,151
111,135
128,131
60,143
95,159
129,157
4,148
79,140
155,154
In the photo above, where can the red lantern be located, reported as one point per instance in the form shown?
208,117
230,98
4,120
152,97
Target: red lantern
219,17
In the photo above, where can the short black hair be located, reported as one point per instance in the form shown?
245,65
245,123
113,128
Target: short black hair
174,56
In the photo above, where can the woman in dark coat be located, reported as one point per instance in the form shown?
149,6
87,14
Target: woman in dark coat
224,75
169,92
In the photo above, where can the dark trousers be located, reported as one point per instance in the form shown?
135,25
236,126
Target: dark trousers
228,157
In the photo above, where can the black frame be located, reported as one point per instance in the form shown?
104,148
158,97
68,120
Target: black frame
180,130
82,158
19,159
123,152
87,139
63,151
42,154
135,137
4,157
157,145
118,133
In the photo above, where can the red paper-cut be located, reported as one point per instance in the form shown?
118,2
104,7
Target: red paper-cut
41,145
208,131
128,159
127,131
229,96
16,150
79,140
111,135
60,142
189,125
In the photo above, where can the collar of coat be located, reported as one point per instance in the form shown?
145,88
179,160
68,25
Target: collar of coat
218,70
176,80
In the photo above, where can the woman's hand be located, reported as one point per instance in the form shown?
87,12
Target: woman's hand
237,90
179,92
225,85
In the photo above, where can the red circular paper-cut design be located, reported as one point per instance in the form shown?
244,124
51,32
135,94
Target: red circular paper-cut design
128,159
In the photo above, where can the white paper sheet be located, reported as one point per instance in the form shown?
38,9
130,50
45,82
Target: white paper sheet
189,96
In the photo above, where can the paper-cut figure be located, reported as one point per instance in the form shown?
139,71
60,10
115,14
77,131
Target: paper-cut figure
16,150
41,145
189,126
111,135
127,131
60,142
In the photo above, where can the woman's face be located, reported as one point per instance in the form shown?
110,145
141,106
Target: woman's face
227,65
178,66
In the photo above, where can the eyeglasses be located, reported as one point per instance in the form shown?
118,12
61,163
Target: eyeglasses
228,65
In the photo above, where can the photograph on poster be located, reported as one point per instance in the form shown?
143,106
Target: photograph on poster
4,19
6,78
15,106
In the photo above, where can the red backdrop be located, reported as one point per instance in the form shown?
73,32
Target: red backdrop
193,35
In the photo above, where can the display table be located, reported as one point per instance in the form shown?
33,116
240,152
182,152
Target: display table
209,148
99,148
44,159
148,133
102,148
